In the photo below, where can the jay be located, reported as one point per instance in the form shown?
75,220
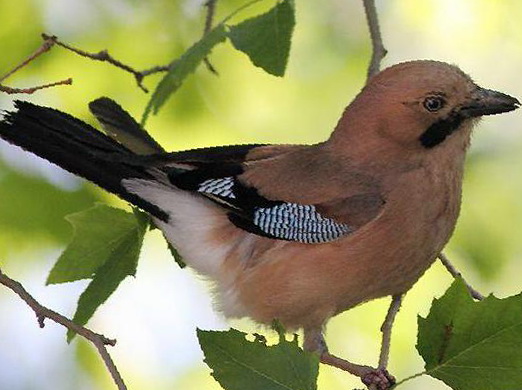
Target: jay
297,233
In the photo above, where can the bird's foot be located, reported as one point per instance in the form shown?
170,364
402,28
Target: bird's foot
373,378
379,378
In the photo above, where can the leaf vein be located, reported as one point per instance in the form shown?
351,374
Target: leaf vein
260,373
473,346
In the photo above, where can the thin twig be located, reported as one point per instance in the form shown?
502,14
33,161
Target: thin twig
209,21
156,69
10,90
456,274
46,45
378,50
42,312
102,55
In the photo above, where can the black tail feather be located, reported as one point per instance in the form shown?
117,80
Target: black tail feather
76,147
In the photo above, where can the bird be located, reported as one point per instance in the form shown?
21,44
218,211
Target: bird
294,233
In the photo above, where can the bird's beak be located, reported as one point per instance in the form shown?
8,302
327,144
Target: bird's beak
488,102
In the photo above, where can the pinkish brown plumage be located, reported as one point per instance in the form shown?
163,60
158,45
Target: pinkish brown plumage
293,232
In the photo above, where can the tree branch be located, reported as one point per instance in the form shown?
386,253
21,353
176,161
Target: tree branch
42,312
378,50
456,274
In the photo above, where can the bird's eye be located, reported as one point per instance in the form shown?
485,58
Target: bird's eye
433,103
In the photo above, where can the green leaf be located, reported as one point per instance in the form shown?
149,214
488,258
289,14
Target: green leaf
266,38
98,235
119,263
31,220
239,364
183,66
177,257
473,345
173,251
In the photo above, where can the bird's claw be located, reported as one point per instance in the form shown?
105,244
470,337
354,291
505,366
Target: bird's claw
380,378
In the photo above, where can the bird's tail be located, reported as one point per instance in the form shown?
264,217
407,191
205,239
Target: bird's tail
78,148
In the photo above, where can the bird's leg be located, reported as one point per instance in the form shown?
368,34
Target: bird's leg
386,330
378,378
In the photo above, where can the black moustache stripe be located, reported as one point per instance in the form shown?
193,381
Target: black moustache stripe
440,130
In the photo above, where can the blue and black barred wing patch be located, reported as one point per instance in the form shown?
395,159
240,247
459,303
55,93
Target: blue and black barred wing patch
296,222
222,187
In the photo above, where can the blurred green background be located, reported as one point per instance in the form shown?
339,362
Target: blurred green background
154,316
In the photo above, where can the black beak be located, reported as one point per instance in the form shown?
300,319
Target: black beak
488,102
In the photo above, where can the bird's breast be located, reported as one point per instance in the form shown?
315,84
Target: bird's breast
420,217
388,255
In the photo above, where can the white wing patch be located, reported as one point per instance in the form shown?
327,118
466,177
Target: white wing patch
194,222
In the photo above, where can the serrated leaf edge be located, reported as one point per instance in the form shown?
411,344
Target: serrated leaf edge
271,379
111,243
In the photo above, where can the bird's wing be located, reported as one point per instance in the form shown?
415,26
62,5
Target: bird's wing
120,126
221,175
260,191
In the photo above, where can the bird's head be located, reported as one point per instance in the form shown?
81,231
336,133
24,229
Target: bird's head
419,106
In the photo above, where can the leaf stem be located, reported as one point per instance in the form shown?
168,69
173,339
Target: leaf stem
209,20
240,9
410,378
